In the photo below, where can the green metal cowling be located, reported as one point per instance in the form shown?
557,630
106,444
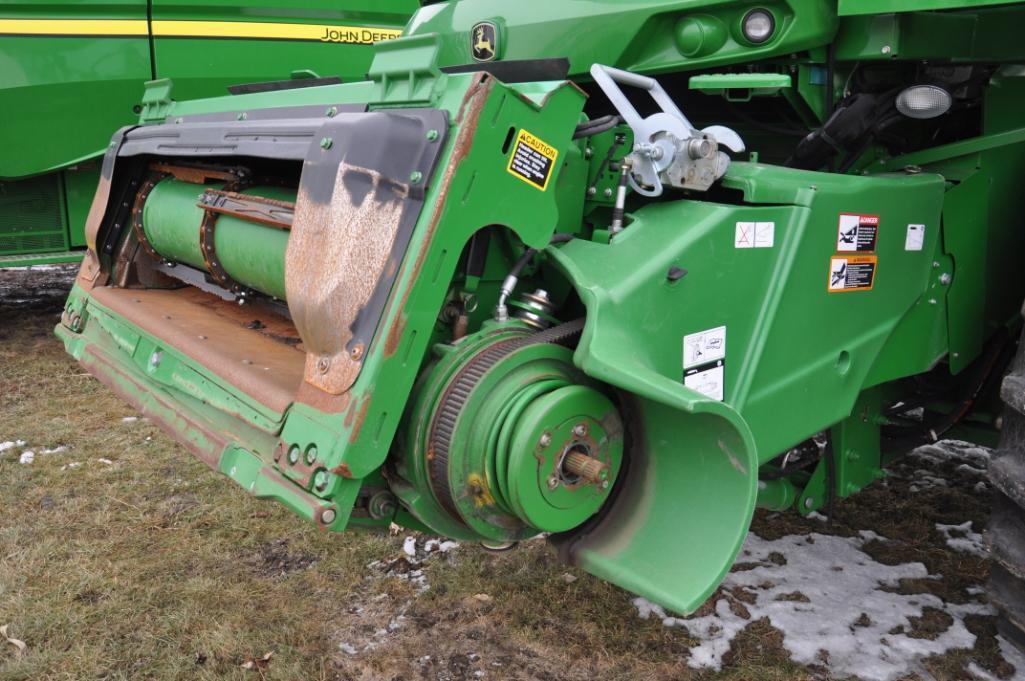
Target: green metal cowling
252,254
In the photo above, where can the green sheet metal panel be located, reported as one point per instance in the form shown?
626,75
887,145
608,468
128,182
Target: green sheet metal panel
855,7
207,46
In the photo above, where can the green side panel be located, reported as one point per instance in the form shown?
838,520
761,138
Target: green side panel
853,7
637,35
985,35
62,97
79,188
251,253
206,66
32,218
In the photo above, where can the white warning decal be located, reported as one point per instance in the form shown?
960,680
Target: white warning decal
915,238
704,362
857,233
755,235
707,380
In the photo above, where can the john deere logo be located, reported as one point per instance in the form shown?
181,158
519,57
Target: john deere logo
484,41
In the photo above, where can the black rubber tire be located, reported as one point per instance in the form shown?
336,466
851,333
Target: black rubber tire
1007,523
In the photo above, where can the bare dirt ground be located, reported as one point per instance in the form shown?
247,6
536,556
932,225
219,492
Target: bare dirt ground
121,557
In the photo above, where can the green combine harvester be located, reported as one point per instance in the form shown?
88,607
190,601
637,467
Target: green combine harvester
71,72
618,272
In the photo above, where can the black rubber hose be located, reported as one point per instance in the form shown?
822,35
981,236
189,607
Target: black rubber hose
596,126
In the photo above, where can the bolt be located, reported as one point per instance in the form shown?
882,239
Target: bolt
932,301
604,484
935,263
293,454
323,364
546,439
553,481
580,430
331,111
432,135
415,177
357,352
326,143
311,454
328,516
886,49
944,278
588,152
243,116
179,120
608,192
591,191
320,480
154,360
809,502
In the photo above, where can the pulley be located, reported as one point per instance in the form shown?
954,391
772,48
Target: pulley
509,439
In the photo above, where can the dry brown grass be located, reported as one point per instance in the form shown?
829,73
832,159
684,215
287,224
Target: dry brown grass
154,567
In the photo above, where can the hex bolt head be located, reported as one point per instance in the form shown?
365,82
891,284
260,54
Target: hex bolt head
432,135
588,152
154,359
331,111
326,143
591,191
945,278
357,352
243,116
546,439
311,454
553,481
580,430
293,454
604,484
320,480
608,192
328,516
323,364
809,502
415,177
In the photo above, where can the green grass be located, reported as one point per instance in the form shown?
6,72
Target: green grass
155,567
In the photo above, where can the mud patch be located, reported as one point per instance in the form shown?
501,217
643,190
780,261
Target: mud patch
274,559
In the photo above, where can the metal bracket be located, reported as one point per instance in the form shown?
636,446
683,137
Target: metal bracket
667,147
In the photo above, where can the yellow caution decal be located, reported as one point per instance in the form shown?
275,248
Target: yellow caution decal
532,160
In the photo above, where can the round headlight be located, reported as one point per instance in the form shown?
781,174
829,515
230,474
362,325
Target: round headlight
924,101
758,25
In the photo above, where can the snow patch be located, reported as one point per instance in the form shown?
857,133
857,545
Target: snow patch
828,595
27,457
961,538
11,444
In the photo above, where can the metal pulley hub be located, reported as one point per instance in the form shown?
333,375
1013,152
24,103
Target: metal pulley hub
513,439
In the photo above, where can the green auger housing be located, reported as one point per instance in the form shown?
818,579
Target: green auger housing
615,272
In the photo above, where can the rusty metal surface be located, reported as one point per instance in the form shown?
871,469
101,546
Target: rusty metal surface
257,359
468,119
198,174
359,199
356,237
137,208
259,209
